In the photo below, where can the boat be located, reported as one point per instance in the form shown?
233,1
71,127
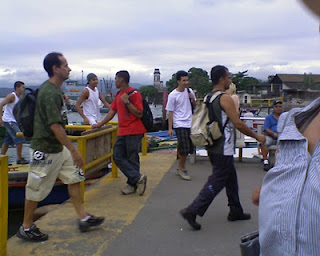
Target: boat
18,179
104,110
161,140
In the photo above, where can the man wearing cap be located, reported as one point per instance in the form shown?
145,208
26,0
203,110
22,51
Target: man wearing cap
89,99
9,122
270,130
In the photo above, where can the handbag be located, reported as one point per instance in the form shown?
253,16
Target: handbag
249,244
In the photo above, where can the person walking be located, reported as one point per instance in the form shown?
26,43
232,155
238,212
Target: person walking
179,106
52,153
221,155
89,100
128,105
10,123
232,91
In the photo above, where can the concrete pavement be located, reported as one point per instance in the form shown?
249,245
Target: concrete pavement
150,225
159,230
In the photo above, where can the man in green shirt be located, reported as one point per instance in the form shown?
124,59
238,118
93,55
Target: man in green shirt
52,154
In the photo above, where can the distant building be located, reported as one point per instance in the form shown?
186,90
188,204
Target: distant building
157,83
73,89
245,99
294,86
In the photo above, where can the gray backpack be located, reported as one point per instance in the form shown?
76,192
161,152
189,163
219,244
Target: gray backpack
204,132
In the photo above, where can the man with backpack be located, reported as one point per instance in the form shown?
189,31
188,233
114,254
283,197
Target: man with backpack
52,154
128,105
221,154
181,102
10,123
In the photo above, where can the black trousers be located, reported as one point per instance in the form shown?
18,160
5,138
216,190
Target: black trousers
223,175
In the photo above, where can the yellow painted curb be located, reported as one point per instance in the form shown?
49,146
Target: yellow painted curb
101,199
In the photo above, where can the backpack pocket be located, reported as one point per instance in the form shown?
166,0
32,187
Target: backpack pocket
214,132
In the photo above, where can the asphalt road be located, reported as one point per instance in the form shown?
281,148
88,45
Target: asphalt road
158,229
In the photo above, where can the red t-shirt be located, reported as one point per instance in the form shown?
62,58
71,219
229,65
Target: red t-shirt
128,123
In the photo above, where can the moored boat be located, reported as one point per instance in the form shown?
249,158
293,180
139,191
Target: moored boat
18,175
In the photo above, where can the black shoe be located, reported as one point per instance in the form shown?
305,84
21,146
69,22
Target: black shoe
235,217
32,234
91,222
191,218
22,161
266,167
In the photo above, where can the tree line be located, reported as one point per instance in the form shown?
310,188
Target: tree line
199,80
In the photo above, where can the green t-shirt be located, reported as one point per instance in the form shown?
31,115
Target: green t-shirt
48,111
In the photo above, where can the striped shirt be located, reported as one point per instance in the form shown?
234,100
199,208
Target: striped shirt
289,209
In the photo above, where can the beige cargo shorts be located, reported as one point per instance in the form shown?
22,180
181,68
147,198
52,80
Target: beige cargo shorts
44,170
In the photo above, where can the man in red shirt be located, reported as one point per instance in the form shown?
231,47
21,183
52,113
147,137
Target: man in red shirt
131,130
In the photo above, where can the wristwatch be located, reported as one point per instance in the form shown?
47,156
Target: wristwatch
127,103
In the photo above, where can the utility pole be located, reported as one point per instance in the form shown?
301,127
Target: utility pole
82,76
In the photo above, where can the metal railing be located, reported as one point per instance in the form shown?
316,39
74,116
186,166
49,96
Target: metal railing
3,204
264,102
82,142
82,147
144,142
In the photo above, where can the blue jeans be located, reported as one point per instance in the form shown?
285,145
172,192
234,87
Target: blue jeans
11,138
126,156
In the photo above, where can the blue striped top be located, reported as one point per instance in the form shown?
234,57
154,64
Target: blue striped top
289,209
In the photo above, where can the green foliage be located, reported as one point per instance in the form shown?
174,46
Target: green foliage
198,80
308,81
244,82
149,92
172,83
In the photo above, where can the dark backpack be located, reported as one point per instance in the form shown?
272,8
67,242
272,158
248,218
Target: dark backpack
24,110
192,107
147,116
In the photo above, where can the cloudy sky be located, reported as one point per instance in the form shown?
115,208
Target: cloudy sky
103,36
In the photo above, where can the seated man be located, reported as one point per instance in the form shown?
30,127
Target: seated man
248,122
270,130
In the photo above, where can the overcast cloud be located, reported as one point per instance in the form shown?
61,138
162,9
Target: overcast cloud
104,36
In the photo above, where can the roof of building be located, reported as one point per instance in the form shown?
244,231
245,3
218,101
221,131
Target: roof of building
295,81
295,78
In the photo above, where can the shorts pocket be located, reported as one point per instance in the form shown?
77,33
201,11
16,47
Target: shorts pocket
35,181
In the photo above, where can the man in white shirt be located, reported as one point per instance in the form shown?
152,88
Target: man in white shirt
89,99
180,103
10,123
249,123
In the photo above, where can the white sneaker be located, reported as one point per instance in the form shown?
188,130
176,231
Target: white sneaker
183,174
141,185
127,190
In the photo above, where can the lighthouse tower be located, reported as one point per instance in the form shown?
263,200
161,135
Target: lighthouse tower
156,80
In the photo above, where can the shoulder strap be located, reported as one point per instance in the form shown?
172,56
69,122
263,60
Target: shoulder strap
129,93
215,95
212,116
192,108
